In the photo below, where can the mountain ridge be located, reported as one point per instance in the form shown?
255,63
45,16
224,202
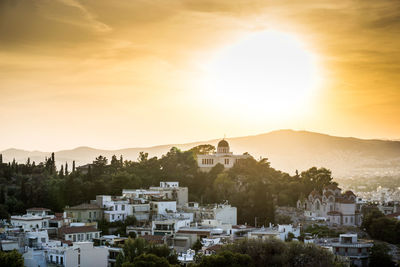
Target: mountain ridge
287,150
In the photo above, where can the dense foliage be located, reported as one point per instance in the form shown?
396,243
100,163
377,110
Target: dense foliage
378,226
271,252
138,252
11,259
380,256
254,187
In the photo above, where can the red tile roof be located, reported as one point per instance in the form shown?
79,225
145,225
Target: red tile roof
77,229
197,232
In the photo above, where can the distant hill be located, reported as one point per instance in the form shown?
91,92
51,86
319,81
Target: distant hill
287,150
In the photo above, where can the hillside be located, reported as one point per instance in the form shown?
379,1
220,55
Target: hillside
287,150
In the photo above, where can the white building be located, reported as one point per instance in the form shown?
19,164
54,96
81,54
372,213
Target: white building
222,156
78,233
35,218
332,205
115,208
280,232
356,250
224,213
168,226
82,254
162,207
172,190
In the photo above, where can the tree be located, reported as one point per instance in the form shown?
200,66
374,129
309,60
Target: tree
226,259
11,259
316,179
273,252
66,168
136,251
149,260
380,256
197,246
203,149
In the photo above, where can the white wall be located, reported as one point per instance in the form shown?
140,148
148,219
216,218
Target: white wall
226,214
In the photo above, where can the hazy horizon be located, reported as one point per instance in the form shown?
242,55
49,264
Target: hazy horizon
191,141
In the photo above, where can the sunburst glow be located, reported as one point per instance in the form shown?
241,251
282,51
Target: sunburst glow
267,72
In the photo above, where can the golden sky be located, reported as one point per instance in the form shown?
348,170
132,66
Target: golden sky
127,73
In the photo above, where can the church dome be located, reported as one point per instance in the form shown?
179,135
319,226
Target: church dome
223,143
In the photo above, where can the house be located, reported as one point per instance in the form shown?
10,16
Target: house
141,212
35,218
280,232
162,207
78,233
172,190
82,254
115,208
223,156
168,226
85,212
138,230
224,213
356,250
333,206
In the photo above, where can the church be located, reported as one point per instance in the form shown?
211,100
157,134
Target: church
336,207
222,156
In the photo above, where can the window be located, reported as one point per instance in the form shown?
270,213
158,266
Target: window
226,161
51,258
74,239
56,259
87,237
123,207
112,216
116,207
207,161
90,214
61,260
345,219
94,214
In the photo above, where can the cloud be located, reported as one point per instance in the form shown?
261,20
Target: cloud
88,16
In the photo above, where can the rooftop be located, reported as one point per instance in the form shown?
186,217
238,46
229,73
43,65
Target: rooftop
38,209
84,206
77,229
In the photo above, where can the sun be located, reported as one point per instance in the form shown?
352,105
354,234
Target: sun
267,72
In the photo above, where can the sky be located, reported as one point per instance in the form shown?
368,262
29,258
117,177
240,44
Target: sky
117,74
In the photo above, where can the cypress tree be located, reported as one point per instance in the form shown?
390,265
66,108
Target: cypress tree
73,166
2,195
1,158
61,172
66,168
